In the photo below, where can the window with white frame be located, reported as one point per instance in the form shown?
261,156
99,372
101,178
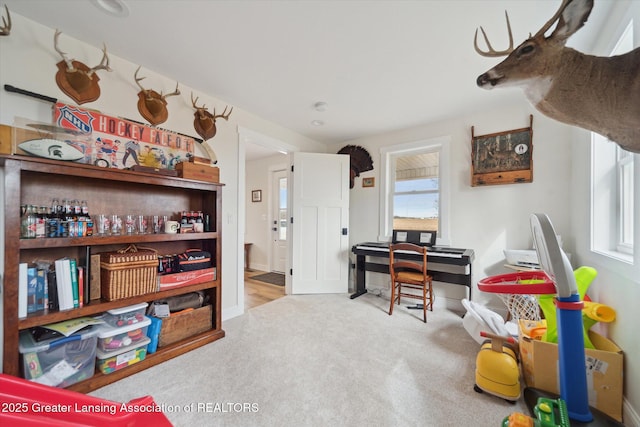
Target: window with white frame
612,201
414,190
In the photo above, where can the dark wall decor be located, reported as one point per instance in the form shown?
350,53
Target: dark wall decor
503,157
360,161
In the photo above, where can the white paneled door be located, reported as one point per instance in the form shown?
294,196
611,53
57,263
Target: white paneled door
320,238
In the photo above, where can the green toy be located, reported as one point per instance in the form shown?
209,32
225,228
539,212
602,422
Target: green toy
584,276
548,413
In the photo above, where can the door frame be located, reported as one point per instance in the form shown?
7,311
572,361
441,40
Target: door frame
245,136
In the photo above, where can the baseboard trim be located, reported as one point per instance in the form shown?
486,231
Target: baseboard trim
629,415
231,312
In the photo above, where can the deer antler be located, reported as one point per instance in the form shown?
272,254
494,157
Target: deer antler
554,18
226,117
64,56
491,52
104,62
6,24
175,92
194,102
139,79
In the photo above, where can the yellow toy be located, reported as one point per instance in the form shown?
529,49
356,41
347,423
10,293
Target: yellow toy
591,313
497,369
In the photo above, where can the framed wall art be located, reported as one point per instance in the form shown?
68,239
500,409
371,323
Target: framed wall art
369,182
503,157
256,195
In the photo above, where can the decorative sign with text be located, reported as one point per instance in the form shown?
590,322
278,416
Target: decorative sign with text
118,143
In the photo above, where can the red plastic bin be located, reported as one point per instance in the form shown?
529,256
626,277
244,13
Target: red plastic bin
25,403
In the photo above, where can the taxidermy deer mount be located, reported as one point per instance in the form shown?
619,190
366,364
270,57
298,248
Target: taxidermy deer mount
151,104
5,30
359,161
205,122
76,79
601,94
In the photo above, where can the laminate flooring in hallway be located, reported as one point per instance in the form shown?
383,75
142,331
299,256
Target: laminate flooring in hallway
257,293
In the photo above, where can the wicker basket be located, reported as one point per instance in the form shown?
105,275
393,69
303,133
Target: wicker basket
128,272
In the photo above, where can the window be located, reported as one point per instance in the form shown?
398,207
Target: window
414,190
612,201
282,209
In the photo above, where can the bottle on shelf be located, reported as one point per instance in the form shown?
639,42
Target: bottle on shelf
41,222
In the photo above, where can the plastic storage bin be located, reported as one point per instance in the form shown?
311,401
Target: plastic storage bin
126,315
112,339
112,361
59,362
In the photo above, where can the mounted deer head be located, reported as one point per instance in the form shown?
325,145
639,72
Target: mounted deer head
601,94
5,30
151,104
205,122
76,79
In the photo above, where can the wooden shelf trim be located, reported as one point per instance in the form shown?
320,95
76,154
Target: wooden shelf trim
35,164
95,307
56,242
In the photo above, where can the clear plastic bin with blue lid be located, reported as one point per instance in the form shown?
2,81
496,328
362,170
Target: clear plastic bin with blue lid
61,360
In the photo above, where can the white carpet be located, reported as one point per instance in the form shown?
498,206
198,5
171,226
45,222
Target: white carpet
325,360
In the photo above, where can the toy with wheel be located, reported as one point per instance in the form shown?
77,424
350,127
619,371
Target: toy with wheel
558,278
497,369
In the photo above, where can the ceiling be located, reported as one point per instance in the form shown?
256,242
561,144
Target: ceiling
378,65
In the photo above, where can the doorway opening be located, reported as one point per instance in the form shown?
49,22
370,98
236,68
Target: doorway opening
263,220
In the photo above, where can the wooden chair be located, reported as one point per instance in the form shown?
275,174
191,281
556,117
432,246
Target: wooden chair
410,275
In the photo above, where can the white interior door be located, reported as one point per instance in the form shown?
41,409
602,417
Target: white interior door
279,221
319,232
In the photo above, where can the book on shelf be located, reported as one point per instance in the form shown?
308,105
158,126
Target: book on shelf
53,290
32,289
63,284
81,286
22,289
40,289
73,267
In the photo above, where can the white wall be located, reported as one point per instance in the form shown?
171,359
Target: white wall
618,283
486,219
28,61
258,228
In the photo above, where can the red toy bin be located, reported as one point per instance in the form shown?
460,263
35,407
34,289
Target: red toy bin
25,404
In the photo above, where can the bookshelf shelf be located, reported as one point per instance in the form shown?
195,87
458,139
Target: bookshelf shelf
31,180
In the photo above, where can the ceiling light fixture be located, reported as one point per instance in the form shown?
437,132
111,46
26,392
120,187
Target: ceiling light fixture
116,8
320,106
317,122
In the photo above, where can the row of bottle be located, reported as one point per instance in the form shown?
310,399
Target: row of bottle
67,219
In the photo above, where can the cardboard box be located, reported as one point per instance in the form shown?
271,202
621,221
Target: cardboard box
186,278
198,172
604,370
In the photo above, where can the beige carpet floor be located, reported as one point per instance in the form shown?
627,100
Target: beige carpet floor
324,360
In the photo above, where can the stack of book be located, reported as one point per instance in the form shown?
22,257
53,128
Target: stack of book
51,287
